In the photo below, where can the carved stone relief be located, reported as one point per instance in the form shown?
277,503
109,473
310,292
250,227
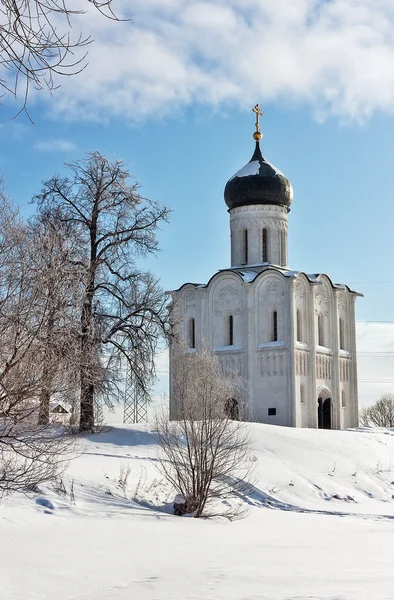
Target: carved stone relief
323,366
228,301
273,364
301,363
231,366
321,302
190,299
344,369
341,297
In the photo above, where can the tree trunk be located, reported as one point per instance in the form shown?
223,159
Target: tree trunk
43,415
86,421
47,370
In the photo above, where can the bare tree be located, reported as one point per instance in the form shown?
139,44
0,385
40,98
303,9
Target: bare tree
37,43
28,454
380,414
123,309
205,454
53,254
363,417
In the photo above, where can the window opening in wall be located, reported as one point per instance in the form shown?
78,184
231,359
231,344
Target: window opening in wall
271,412
341,335
246,247
230,332
299,326
274,332
302,394
192,333
282,248
343,399
320,326
265,246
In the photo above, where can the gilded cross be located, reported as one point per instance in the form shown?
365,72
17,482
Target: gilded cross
258,113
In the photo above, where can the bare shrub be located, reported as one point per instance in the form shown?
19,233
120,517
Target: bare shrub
380,414
204,453
123,477
31,455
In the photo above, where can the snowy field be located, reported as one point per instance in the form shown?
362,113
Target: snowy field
320,526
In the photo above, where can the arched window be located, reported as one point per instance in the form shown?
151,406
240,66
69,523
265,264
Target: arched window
320,327
264,254
343,399
230,330
274,327
282,247
302,394
192,333
299,326
341,335
246,247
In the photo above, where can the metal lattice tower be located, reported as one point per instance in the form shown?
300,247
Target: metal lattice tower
135,403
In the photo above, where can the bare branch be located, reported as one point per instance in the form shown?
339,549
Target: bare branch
37,43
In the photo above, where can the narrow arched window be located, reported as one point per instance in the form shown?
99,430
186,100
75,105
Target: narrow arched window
274,327
230,330
192,333
320,327
299,326
341,335
264,254
246,247
282,247
302,394
343,399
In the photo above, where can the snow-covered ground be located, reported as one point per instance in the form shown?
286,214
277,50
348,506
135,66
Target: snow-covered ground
320,526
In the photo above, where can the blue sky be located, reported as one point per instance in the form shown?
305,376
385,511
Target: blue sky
171,91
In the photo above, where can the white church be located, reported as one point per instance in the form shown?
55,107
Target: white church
289,334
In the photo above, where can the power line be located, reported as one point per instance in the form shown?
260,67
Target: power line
374,322
375,354
375,381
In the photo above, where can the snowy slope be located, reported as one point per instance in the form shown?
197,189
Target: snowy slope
320,525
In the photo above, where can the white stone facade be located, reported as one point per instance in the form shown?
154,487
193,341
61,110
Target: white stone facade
289,335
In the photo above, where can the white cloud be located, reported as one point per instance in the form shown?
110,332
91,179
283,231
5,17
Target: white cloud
336,56
54,146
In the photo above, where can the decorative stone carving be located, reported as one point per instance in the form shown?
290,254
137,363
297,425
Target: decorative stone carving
271,287
228,301
301,362
321,302
231,366
190,298
323,366
341,297
344,369
273,364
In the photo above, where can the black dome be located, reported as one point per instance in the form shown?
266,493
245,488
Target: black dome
258,182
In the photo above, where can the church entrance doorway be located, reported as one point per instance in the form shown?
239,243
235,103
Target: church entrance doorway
324,413
231,409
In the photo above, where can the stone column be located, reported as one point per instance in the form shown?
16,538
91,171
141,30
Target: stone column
293,421
312,390
335,386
